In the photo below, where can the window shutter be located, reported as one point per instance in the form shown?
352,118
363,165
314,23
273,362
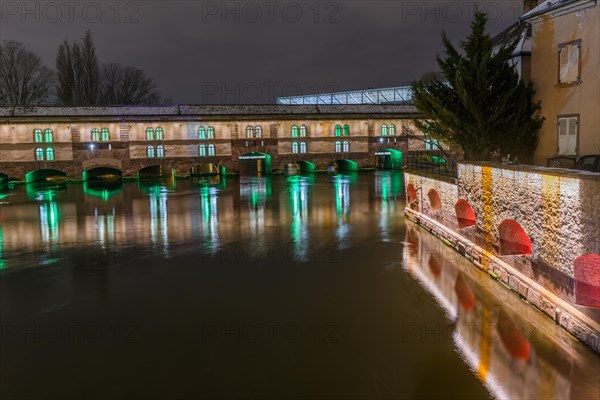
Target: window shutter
562,136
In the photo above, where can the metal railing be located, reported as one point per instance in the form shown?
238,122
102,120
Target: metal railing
433,162
395,95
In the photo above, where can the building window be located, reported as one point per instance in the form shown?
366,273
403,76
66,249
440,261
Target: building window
211,150
39,153
338,130
303,147
95,135
202,150
150,151
338,147
384,130
159,134
346,146
160,151
392,130
149,134
49,136
346,130
569,67
294,131
258,131
210,132
567,135
49,154
37,135
431,144
249,132
303,131
202,133
294,147
105,135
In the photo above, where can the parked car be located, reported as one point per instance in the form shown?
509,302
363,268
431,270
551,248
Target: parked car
588,163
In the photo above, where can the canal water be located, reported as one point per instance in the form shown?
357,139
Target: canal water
273,287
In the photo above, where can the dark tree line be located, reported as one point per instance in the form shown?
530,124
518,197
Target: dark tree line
79,79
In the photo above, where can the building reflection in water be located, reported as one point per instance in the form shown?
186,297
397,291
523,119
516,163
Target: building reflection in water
513,358
298,194
159,216
209,199
388,188
341,187
254,194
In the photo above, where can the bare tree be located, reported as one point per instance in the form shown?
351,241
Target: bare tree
121,84
78,72
23,77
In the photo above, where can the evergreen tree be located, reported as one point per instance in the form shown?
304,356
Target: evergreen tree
481,104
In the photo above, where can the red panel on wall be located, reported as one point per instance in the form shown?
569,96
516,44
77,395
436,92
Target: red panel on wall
434,200
464,214
587,280
513,239
411,193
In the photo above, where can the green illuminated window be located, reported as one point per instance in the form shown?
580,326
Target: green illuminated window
384,130
294,147
39,153
160,151
338,130
303,147
210,132
150,151
105,135
49,154
346,146
211,150
159,134
338,147
150,134
37,135
249,132
95,135
346,130
49,135
303,131
294,131
392,129
202,150
202,133
258,131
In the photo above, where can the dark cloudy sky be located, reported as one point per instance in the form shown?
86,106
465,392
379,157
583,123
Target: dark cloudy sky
251,52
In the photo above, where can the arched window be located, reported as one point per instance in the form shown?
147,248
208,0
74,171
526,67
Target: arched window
202,150
49,154
303,147
95,135
149,134
105,135
346,146
150,151
338,130
384,130
210,132
39,153
211,150
37,135
160,151
294,147
338,147
392,130
202,133
294,131
49,136
346,130
249,132
303,131
159,134
258,131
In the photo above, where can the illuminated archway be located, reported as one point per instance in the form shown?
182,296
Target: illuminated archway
464,214
411,193
513,239
587,280
434,200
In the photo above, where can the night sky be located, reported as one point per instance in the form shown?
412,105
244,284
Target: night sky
251,52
